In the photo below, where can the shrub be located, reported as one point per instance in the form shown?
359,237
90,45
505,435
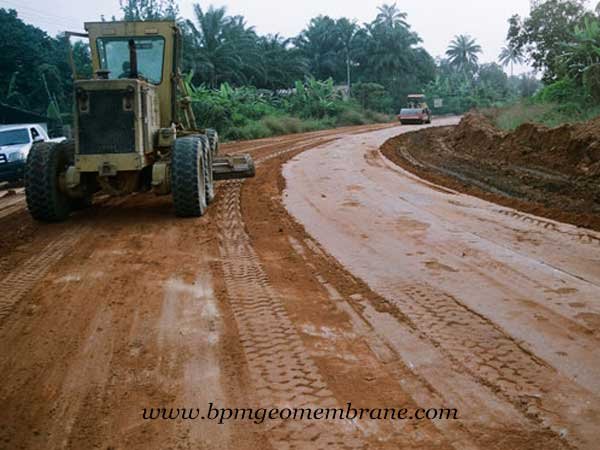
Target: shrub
562,91
549,114
377,117
252,130
510,117
283,124
351,117
372,96
591,83
247,113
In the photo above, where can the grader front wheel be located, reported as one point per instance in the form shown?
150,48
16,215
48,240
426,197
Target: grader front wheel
45,163
189,176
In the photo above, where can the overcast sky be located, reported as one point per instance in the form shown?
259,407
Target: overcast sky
436,21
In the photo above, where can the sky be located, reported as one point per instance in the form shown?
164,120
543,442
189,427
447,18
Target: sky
436,21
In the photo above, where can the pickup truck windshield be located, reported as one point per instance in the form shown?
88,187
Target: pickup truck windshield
114,56
12,137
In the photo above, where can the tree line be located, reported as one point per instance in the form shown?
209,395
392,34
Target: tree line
379,62
561,39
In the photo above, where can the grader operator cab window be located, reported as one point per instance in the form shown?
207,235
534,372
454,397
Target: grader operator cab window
114,56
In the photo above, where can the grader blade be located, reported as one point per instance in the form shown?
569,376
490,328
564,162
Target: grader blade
231,167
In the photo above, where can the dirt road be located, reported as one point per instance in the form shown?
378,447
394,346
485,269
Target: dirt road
375,288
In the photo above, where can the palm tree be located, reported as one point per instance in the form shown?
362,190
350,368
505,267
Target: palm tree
510,55
224,49
386,55
391,16
463,53
283,65
319,43
347,32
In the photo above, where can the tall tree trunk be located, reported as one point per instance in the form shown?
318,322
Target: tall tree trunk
348,73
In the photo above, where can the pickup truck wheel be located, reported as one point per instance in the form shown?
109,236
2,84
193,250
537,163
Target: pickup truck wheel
188,177
45,162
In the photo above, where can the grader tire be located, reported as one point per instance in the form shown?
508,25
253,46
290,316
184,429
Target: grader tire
213,138
45,162
188,177
208,173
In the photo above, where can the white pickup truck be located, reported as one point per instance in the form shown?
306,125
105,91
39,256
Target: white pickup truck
15,143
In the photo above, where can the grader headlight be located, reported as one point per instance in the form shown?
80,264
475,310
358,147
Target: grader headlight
128,99
83,101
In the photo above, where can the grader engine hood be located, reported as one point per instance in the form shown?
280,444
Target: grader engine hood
115,124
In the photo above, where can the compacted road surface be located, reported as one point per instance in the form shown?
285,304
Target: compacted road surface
333,277
498,304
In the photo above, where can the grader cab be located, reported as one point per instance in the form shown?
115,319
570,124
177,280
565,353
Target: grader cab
134,130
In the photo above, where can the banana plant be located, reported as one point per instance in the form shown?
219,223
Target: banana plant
584,51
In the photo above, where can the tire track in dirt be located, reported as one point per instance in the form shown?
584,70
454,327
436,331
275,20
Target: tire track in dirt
8,210
4,266
11,201
489,355
584,237
282,373
16,284
388,335
475,345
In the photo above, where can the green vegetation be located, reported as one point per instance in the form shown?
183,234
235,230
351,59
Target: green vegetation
561,38
335,72
532,111
249,113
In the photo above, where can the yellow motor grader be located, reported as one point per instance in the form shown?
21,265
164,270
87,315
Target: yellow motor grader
134,130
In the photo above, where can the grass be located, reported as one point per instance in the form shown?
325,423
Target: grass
276,125
549,114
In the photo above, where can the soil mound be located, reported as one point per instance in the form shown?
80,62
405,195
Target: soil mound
553,172
476,135
568,149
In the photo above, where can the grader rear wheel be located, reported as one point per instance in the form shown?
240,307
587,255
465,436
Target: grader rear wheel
208,173
213,138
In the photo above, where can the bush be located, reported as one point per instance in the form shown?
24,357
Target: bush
549,114
316,125
591,83
510,117
252,130
247,113
377,117
372,96
283,124
562,91
351,117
